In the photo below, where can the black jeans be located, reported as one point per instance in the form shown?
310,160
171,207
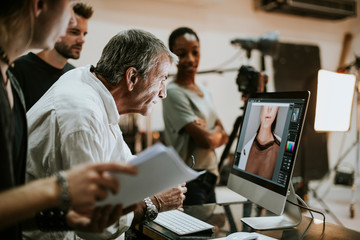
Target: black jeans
201,190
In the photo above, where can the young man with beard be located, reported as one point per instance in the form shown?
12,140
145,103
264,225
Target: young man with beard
36,73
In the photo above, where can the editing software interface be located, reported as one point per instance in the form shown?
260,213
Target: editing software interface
293,134
269,161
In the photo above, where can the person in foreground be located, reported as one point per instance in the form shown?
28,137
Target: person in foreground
77,119
36,73
192,126
27,25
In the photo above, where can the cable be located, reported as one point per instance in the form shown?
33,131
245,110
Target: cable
312,216
310,210
307,228
304,203
239,54
219,69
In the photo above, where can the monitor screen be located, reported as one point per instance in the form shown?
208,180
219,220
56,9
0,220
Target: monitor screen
267,146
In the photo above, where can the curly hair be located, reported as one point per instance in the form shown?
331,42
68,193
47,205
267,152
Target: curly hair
179,32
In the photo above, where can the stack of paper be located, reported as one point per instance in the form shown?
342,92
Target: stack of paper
159,168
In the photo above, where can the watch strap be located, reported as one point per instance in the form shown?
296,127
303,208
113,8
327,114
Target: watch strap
151,210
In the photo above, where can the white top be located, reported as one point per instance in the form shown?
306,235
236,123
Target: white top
76,121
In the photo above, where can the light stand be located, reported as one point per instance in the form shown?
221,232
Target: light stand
341,123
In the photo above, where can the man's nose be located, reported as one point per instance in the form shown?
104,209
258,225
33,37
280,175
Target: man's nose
162,93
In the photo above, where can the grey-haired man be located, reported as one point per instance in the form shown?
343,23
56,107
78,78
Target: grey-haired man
77,119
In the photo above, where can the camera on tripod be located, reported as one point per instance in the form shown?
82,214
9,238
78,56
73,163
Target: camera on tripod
250,81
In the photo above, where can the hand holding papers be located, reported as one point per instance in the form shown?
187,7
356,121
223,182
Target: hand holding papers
159,168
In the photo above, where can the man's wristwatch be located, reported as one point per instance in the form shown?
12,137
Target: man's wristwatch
151,210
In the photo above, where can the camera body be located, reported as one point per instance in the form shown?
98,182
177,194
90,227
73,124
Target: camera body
250,81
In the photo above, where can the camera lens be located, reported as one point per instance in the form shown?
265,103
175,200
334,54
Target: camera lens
248,80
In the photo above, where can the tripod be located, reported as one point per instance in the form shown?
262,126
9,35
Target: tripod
349,177
234,132
315,190
254,84
224,155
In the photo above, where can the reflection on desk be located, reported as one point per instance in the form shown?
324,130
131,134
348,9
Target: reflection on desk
214,214
224,195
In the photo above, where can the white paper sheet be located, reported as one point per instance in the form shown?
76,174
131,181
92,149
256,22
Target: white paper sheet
246,235
159,168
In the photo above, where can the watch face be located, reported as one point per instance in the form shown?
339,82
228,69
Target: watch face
151,210
152,214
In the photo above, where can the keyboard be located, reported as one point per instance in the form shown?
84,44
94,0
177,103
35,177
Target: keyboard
182,223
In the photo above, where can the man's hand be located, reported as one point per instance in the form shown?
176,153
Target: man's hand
173,198
89,183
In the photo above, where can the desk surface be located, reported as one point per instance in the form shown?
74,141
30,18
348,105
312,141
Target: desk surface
224,195
206,213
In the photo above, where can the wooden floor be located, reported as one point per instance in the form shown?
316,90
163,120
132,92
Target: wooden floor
338,200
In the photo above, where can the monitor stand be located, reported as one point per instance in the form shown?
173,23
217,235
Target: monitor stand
290,218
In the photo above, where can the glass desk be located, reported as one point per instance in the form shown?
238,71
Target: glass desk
215,214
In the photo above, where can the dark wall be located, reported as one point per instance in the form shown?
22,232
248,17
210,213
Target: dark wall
296,67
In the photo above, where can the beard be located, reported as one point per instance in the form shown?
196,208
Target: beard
65,51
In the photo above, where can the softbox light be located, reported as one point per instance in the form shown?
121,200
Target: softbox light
335,92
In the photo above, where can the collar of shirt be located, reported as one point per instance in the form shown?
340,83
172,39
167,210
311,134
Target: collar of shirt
104,93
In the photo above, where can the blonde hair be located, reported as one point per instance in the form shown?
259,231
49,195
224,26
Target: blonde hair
14,16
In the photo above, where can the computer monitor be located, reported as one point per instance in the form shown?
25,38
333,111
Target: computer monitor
265,156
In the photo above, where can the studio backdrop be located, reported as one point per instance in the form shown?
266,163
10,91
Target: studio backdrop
295,69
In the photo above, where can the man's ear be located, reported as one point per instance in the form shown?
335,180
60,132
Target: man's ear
38,6
131,78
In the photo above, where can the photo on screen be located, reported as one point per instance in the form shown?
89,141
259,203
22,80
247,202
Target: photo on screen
258,155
